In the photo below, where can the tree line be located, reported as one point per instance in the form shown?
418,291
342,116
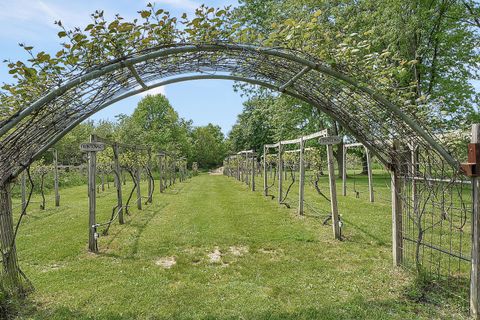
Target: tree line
153,123
422,55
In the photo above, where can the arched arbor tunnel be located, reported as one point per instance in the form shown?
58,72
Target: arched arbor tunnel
384,128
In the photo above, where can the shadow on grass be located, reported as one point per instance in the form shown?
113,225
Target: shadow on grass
356,308
428,289
139,225
350,224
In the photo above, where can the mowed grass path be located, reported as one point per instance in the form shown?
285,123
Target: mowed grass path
272,264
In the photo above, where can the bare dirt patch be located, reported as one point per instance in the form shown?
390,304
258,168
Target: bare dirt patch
215,256
216,172
238,250
166,262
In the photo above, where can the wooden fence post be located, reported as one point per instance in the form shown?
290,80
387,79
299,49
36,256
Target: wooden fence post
301,182
170,171
280,175
474,157
344,171
118,183
247,170
139,193
413,173
265,178
174,170
369,173
150,195
92,199
24,192
7,243
161,171
238,167
397,236
102,180
254,161
333,193
56,182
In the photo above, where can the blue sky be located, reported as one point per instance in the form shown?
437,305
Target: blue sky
32,22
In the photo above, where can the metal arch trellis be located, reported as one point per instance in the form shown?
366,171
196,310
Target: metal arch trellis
368,116
278,68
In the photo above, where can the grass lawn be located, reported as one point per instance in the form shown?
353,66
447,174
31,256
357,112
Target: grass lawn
210,249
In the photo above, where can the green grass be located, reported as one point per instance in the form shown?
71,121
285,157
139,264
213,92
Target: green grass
291,268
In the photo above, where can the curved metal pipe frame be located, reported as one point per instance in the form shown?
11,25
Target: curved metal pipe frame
189,48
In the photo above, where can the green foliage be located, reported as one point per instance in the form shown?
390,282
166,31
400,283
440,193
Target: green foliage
156,124
421,55
68,147
208,146
267,119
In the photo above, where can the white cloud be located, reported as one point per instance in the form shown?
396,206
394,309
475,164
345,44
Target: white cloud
40,13
154,91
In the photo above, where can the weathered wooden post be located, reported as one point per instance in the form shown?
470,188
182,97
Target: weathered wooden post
150,195
195,168
265,178
174,170
413,173
344,171
254,161
238,167
472,169
301,183
7,243
329,141
56,180
396,186
161,171
369,173
118,184
102,180
247,170
92,148
24,192
139,193
170,170
280,174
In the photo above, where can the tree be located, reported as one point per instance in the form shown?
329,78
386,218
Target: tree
68,147
208,146
421,54
155,123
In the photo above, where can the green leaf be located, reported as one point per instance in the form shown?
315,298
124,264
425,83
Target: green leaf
145,14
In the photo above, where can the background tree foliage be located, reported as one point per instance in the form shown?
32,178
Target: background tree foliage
208,145
153,123
421,54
